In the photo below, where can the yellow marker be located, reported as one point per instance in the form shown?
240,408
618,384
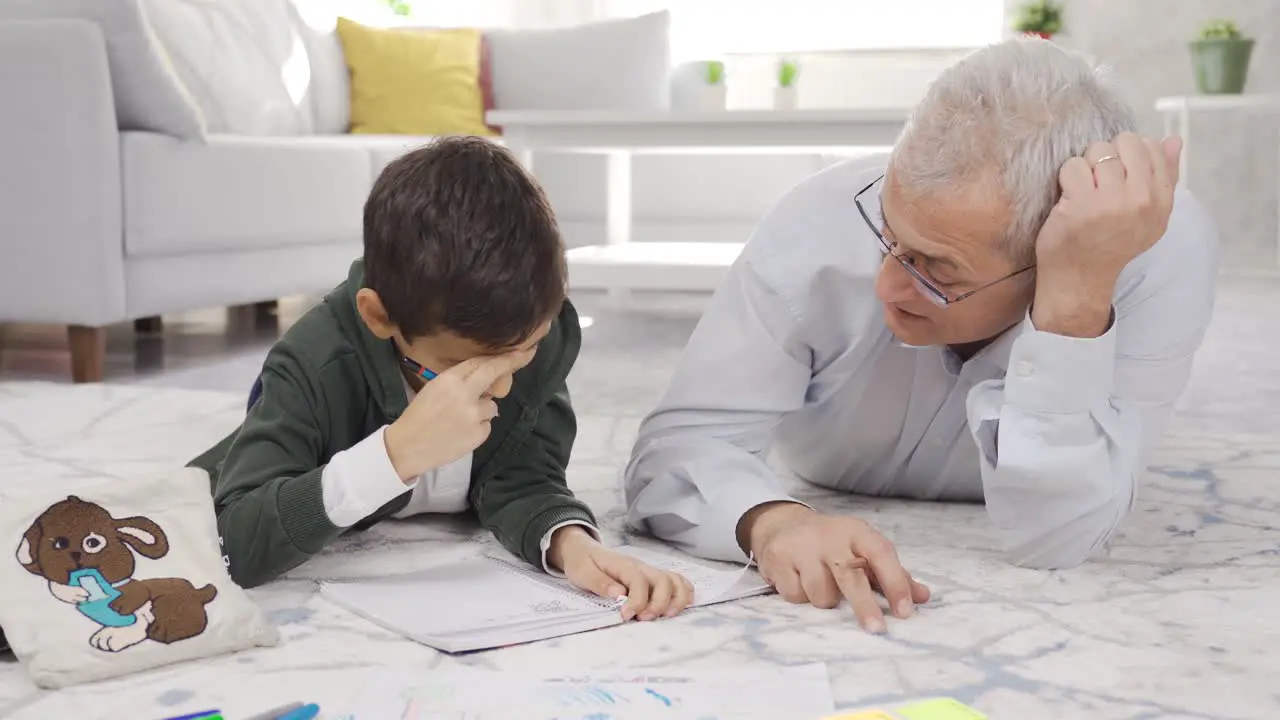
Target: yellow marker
938,709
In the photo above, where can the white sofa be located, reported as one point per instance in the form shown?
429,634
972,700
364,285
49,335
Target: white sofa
159,156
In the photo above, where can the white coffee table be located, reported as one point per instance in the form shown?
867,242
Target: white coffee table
620,265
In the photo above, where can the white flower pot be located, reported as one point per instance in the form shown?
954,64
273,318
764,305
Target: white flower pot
784,98
713,97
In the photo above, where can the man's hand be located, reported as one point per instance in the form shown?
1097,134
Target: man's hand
450,416
821,559
650,593
1115,205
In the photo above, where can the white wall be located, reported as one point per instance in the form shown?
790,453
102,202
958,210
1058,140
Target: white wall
1233,158
1233,163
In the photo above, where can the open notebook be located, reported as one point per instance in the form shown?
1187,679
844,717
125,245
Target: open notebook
496,600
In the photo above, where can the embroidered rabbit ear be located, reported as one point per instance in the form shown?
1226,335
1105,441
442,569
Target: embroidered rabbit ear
144,536
28,548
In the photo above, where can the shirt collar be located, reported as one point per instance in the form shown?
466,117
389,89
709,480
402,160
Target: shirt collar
994,356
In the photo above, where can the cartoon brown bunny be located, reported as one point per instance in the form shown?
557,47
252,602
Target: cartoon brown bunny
87,557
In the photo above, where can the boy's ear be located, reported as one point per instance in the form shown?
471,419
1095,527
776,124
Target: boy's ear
374,314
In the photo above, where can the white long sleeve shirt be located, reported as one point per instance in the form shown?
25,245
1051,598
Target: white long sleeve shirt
792,359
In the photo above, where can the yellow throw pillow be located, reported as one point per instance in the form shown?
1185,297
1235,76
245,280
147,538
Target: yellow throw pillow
415,82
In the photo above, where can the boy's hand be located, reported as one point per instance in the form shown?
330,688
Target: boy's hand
650,592
450,416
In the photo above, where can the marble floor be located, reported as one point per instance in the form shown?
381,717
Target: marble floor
1177,620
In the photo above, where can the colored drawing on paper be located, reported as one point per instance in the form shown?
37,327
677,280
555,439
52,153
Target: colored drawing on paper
661,698
617,695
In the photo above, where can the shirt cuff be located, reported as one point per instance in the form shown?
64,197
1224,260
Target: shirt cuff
1059,374
545,543
359,480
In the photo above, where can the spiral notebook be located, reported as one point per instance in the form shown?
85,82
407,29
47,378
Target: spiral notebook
496,600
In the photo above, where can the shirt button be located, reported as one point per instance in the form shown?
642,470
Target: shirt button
1025,368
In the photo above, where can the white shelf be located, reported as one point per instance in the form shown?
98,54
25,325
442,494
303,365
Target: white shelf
1217,102
676,267
619,265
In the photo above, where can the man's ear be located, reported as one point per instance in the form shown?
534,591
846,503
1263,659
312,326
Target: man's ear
27,549
144,536
374,314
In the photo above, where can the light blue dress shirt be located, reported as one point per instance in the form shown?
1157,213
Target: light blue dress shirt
792,363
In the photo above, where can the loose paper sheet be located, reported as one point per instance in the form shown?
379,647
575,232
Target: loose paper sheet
794,692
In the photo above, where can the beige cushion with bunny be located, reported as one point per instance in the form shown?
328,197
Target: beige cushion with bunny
117,576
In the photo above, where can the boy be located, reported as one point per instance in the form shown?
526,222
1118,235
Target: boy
431,381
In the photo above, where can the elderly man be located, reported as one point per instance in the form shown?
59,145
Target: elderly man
1005,309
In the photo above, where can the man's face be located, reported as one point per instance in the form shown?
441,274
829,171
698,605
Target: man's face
953,243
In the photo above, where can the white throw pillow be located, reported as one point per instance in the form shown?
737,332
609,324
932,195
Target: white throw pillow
116,576
610,65
148,94
243,62
329,91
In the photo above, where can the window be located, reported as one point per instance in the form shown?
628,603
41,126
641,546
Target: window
702,28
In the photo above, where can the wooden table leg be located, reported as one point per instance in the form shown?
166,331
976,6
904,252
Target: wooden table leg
88,353
148,325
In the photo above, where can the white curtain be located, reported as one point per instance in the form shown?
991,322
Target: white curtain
704,28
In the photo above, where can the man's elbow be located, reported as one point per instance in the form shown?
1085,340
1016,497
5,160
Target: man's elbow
1066,545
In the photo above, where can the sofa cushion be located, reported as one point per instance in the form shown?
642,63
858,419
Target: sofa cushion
148,94
611,65
328,88
415,82
237,192
243,62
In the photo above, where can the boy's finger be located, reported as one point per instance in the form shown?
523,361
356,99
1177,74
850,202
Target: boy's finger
489,369
662,589
595,580
683,595
630,575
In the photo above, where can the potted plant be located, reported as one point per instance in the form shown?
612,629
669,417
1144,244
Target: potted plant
714,91
1220,58
400,7
784,93
1042,18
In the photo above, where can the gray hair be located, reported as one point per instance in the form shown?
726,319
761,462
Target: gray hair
1013,112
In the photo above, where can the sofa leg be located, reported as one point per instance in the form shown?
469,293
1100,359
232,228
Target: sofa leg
88,353
148,325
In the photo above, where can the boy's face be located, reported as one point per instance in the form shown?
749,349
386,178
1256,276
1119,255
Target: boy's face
439,351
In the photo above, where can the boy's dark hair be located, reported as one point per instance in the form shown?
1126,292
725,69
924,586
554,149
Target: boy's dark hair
459,237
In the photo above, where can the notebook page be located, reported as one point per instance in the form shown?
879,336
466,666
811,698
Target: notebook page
710,584
458,598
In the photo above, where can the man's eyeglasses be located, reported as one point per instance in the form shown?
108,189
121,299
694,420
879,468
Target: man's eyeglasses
927,287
